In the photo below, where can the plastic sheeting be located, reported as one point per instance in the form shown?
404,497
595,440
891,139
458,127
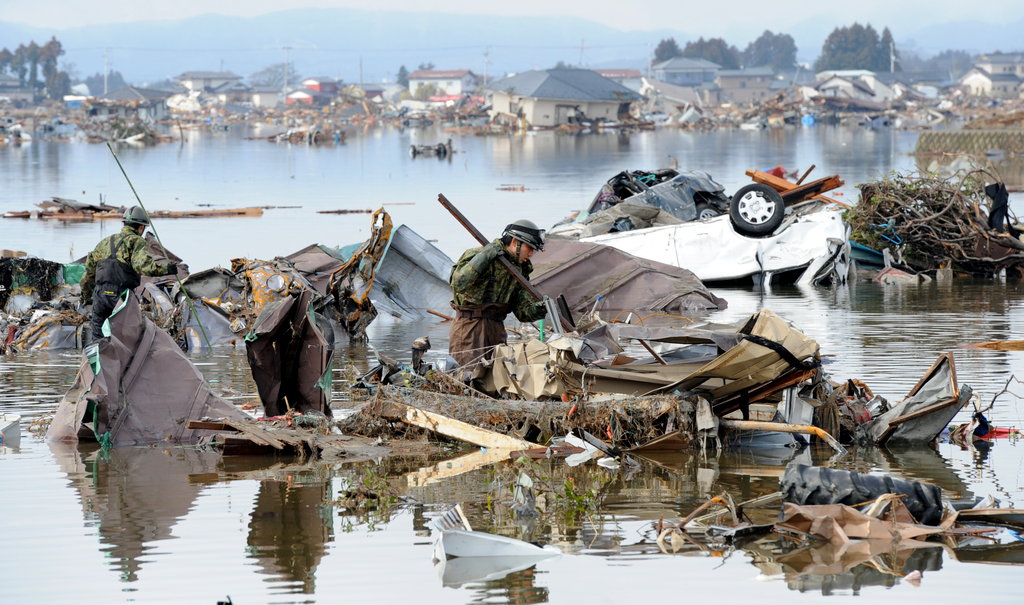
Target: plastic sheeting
139,389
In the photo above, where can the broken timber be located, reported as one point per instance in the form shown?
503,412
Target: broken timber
456,429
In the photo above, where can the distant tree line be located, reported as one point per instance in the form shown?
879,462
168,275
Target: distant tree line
35,67
769,49
853,47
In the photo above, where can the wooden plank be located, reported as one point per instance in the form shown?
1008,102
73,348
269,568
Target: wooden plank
202,425
456,429
258,435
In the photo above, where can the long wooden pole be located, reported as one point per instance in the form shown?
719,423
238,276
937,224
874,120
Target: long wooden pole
461,218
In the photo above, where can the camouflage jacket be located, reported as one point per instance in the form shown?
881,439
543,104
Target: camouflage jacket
478,278
134,251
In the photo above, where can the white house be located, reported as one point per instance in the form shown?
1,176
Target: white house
858,84
980,83
446,82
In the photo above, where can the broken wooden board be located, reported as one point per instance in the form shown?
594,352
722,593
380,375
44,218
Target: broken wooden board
793,193
449,427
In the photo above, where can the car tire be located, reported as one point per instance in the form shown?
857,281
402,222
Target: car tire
706,211
756,209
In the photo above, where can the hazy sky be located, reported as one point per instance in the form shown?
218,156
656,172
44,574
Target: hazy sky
714,18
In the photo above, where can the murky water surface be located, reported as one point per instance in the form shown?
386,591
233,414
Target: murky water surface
150,525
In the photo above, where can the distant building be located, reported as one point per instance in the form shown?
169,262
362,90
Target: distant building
447,82
265,96
683,71
980,83
11,91
745,86
858,84
997,76
322,84
232,92
205,81
305,96
630,78
998,64
131,103
559,96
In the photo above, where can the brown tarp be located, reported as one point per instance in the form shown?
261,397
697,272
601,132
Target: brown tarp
583,271
290,358
146,391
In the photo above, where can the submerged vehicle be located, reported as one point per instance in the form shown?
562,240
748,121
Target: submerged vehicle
769,231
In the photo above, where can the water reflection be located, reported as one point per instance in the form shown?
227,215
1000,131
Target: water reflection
133,496
832,569
136,496
290,528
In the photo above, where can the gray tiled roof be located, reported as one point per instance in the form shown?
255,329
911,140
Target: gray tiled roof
130,93
199,75
685,63
560,83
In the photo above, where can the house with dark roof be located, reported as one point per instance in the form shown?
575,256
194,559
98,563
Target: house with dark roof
232,92
448,82
545,98
206,80
131,103
683,71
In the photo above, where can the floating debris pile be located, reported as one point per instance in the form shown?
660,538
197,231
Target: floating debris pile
934,221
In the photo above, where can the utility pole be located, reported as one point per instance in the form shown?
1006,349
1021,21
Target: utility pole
287,66
106,68
487,62
892,56
582,47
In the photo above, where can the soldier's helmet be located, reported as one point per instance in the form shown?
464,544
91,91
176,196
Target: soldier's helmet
136,215
526,232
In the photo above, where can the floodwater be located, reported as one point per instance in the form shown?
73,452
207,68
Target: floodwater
151,525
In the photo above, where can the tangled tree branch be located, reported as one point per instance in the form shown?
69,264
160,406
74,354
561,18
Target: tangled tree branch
933,220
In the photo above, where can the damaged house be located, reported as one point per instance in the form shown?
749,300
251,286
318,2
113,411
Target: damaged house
552,97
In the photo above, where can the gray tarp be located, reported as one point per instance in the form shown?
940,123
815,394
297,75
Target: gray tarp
146,391
583,271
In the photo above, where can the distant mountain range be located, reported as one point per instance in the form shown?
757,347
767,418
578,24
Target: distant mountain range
371,45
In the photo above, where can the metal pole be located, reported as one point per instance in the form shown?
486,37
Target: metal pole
181,286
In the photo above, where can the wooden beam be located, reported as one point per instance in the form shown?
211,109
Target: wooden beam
456,429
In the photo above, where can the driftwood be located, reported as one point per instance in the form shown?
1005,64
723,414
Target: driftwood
624,422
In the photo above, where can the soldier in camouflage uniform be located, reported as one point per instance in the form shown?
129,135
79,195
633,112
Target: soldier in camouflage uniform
116,264
484,292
